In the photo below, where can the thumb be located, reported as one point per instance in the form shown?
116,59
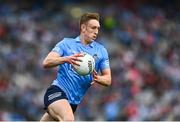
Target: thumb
92,82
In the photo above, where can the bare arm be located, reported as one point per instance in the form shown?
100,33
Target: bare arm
53,59
104,79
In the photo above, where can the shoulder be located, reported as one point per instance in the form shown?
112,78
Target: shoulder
66,41
100,46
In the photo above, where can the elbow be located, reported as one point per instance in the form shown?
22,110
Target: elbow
45,64
108,83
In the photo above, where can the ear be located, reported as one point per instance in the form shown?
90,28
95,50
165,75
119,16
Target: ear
83,27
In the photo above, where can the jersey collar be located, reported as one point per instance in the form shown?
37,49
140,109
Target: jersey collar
78,41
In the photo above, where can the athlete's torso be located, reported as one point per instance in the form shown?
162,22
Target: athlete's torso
67,79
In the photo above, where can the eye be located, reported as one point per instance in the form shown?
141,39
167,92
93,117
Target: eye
94,27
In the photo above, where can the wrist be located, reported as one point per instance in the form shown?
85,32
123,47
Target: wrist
64,59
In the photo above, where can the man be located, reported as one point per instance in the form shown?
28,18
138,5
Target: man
67,90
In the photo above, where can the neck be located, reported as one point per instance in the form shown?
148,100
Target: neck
84,40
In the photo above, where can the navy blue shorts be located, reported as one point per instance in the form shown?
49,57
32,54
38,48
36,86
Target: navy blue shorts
54,93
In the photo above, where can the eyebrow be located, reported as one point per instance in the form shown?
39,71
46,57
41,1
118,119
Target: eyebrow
94,26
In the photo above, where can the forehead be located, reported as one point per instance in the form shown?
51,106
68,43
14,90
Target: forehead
93,22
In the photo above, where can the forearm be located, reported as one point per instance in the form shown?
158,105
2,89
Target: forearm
52,62
103,80
53,59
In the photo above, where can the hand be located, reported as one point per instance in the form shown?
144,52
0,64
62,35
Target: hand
103,79
74,58
95,77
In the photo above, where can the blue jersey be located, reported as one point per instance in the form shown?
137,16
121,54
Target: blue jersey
74,85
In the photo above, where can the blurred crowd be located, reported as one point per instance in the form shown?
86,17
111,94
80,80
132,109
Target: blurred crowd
143,41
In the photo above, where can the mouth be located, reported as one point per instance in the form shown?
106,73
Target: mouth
94,37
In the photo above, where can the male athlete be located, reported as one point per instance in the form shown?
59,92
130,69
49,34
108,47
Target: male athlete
68,89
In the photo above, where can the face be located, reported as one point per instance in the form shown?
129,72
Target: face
90,30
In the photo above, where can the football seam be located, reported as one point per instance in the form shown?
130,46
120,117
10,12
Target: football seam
90,66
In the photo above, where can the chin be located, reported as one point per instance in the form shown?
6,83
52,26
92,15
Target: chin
91,40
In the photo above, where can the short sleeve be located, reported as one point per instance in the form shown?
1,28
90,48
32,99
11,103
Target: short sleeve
104,63
59,47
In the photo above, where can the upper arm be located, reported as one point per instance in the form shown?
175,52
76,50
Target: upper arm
105,66
52,54
106,72
104,63
59,48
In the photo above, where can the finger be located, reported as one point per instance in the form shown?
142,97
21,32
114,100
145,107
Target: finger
79,55
75,59
95,72
95,77
75,63
92,82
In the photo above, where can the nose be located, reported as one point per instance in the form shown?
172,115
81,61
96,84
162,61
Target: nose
96,31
